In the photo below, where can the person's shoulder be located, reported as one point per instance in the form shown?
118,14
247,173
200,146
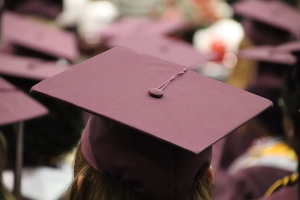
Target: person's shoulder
253,173
290,193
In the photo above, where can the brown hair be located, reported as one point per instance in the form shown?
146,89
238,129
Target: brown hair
96,186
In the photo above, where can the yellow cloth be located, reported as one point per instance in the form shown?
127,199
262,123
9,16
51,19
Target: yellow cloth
280,149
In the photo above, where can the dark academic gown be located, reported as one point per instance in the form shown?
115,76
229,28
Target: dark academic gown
286,193
249,183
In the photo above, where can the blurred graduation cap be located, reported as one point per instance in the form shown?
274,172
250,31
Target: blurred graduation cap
44,8
139,102
37,36
130,25
290,47
29,68
16,107
150,37
277,20
164,48
268,54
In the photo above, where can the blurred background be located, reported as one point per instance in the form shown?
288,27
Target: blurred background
235,41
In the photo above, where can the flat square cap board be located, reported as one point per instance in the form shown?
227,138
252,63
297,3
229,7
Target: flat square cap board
164,48
16,106
131,25
273,12
19,30
268,54
193,113
29,68
291,47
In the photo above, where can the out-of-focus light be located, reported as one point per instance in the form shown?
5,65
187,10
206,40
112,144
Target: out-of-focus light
230,60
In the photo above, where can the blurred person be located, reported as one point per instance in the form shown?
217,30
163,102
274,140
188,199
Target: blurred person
288,187
262,28
268,69
142,143
267,155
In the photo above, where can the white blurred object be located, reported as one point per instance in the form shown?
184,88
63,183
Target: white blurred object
230,60
224,10
223,38
69,15
215,70
46,183
227,31
139,8
94,17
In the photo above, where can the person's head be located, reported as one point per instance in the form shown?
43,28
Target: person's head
90,184
127,164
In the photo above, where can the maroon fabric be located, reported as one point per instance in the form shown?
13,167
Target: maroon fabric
235,145
155,145
117,81
286,193
44,8
166,49
23,31
289,47
263,34
16,106
149,36
267,54
250,183
131,26
275,13
29,68
150,166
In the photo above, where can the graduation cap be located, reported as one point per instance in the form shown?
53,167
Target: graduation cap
289,47
268,54
132,25
37,36
275,13
39,7
153,122
29,68
164,48
268,22
16,107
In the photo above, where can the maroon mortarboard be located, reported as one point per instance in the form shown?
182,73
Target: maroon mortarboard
49,9
130,25
267,54
164,48
153,122
18,29
275,13
29,68
291,47
16,107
